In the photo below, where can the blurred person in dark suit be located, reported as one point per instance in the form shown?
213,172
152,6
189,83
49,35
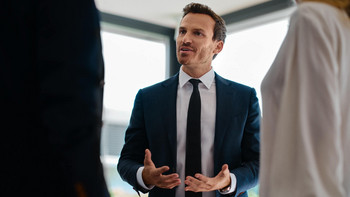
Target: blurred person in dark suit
51,98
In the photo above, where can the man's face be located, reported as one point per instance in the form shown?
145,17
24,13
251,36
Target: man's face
195,46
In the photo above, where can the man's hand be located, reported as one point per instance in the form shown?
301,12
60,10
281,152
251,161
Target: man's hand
154,176
202,183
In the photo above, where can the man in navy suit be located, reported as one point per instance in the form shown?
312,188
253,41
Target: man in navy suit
153,158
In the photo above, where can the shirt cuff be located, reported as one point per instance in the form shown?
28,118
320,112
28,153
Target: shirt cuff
233,185
140,180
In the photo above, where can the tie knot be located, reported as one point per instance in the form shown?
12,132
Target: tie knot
195,82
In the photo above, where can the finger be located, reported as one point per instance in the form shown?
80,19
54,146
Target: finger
171,176
189,189
169,181
224,167
192,182
224,171
161,170
172,185
176,183
192,185
201,177
148,160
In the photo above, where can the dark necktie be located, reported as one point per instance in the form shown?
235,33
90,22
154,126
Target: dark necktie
193,136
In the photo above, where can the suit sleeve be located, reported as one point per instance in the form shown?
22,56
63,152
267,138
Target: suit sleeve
247,175
133,152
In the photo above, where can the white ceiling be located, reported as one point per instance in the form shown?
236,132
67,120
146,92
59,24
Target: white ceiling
167,13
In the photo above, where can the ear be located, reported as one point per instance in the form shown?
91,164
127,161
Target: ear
219,46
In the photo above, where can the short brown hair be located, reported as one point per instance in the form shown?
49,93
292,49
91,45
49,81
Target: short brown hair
219,28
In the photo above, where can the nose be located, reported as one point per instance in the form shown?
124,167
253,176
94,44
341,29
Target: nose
186,39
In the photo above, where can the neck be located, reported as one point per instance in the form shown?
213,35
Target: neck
196,72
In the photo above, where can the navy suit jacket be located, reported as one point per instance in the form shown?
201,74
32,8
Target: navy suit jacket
153,125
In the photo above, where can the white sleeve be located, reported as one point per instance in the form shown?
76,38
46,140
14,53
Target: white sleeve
140,180
233,185
307,143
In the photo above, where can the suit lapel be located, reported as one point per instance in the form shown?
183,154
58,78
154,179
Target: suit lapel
169,123
224,101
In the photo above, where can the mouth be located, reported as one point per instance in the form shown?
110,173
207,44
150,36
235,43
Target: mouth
186,49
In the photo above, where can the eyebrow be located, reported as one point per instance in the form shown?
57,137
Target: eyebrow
195,29
199,29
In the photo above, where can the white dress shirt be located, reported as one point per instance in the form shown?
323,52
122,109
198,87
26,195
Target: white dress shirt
305,137
207,90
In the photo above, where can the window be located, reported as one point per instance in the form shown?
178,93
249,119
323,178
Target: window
131,63
248,54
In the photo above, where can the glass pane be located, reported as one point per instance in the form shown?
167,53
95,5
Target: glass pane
248,54
130,64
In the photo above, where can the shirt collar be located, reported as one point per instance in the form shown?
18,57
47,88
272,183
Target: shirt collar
207,79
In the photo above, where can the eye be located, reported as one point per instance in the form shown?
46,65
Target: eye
197,33
182,31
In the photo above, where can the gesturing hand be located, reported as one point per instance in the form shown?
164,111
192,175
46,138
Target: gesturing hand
154,176
202,183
